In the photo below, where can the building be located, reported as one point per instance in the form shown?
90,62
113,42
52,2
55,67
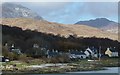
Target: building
92,52
4,59
14,49
89,52
52,53
111,52
77,54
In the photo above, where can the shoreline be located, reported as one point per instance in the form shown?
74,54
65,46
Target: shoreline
107,70
50,68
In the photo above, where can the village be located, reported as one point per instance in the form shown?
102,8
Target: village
89,53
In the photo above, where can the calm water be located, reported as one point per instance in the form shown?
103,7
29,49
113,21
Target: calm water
70,74
109,71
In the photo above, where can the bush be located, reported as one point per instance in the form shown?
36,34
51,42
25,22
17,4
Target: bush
12,56
37,61
22,57
64,58
59,59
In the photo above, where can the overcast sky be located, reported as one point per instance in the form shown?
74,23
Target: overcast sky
72,12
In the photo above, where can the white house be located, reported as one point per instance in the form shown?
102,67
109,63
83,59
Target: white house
111,52
93,52
88,52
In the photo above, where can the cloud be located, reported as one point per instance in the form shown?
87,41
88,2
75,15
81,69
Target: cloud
64,15
100,8
44,8
77,11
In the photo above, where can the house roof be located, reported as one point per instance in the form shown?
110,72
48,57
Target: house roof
93,49
112,49
89,52
77,53
50,53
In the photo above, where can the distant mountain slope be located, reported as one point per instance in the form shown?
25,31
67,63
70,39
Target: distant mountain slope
101,23
12,10
56,28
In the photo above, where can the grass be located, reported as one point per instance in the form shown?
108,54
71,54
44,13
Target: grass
108,62
111,62
81,65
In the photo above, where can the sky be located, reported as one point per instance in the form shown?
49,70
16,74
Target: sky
72,12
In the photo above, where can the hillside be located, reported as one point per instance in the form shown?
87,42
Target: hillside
56,28
25,39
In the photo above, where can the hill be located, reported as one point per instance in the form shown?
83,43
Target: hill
56,28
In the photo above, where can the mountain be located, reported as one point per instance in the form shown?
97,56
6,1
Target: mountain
101,23
12,10
19,16
57,28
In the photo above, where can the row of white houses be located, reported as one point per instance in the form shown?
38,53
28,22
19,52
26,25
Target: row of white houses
93,53
88,53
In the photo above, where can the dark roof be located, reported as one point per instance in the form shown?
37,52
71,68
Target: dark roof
77,53
50,53
89,52
93,49
113,49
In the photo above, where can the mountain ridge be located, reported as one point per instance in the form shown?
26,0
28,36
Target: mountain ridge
101,23
13,10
